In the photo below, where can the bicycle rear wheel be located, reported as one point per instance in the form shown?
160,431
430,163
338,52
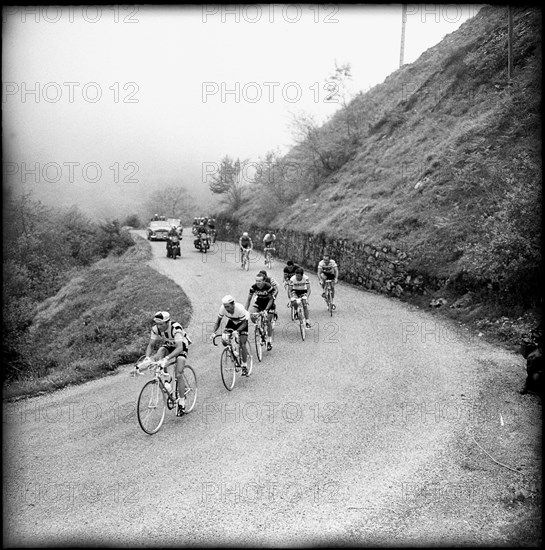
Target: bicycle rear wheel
151,407
228,372
190,381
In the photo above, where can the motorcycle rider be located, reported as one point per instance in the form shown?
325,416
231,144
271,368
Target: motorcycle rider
173,233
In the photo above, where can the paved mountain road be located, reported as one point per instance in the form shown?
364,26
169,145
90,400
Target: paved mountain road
357,435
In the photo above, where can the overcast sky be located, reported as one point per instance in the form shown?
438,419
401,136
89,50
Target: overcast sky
140,94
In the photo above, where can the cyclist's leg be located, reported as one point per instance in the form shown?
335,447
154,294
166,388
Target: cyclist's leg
243,332
180,364
304,298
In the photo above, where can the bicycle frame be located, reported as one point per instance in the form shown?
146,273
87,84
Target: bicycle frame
245,260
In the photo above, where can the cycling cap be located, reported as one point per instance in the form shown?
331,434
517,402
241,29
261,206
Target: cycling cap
227,299
245,234
161,316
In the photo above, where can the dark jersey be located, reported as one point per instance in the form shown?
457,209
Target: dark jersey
262,294
289,271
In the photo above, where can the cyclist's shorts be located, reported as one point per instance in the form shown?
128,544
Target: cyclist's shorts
298,293
268,244
328,276
258,308
170,349
241,326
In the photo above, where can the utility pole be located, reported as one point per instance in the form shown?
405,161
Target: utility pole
403,21
509,44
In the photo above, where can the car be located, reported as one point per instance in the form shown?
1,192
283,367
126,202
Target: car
158,231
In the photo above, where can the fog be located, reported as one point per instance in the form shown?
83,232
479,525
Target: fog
101,105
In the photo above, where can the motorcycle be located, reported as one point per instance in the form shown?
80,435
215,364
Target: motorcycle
202,242
173,246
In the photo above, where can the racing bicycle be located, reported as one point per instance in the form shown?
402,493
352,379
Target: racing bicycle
155,398
328,290
260,333
298,314
230,363
246,258
268,256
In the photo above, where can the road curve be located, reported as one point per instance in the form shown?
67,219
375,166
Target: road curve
362,434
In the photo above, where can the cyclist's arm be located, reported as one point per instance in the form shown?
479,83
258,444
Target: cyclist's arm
270,302
149,349
336,274
308,289
248,301
218,322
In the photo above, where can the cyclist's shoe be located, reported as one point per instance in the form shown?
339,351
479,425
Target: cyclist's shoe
333,306
180,410
323,294
308,325
269,346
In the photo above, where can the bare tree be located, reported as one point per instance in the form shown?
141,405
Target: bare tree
173,202
229,181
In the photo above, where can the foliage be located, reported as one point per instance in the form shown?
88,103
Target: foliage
42,246
172,202
229,181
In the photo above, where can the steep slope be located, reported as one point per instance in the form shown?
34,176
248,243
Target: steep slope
426,159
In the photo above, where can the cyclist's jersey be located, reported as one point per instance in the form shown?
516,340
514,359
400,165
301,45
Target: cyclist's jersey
274,284
269,238
172,336
290,271
329,268
303,284
262,294
245,242
239,314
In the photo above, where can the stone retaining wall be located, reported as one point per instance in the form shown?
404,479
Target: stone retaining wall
382,269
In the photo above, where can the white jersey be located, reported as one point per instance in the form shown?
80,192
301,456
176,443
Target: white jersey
239,314
303,284
327,268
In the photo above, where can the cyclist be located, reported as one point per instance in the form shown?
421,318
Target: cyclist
276,288
299,286
268,240
174,347
238,318
328,270
245,243
264,301
289,271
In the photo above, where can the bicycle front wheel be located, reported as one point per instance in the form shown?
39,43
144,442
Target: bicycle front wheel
249,359
330,303
302,327
258,343
190,381
228,372
151,408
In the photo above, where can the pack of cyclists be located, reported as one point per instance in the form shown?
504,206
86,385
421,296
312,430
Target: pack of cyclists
174,340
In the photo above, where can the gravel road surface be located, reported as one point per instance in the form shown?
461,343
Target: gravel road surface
372,431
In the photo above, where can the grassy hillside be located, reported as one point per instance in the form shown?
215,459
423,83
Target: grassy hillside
98,321
443,160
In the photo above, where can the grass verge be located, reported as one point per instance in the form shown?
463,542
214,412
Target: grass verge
97,322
